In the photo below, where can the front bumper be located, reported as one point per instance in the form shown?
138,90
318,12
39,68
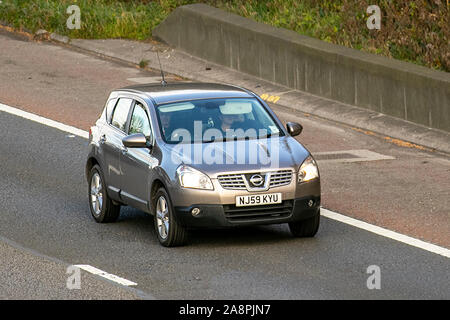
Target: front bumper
212,215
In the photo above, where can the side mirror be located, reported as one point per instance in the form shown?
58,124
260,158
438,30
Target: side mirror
137,140
294,128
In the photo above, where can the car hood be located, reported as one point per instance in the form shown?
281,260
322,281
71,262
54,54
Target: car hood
241,155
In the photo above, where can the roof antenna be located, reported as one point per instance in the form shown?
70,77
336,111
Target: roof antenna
163,81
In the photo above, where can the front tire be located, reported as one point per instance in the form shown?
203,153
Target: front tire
170,233
102,207
306,228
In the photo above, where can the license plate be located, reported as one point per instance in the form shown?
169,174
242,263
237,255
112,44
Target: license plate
258,199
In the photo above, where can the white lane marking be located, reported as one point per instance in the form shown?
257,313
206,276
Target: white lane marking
106,275
326,213
143,80
42,120
386,233
359,155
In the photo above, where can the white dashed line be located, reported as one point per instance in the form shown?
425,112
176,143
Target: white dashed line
106,275
350,156
143,80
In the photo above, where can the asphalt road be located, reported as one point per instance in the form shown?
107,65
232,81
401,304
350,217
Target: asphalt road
408,194
44,212
45,208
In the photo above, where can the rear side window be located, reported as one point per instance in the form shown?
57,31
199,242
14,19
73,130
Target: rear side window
120,115
110,108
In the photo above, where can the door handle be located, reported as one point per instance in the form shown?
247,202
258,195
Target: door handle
103,139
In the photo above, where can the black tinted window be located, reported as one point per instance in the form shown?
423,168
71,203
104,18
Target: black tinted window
119,118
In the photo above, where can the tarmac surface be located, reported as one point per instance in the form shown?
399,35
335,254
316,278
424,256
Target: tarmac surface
44,210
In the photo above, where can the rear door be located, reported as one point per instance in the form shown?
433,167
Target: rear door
136,163
111,141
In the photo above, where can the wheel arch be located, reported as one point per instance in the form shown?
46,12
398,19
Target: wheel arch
91,162
156,184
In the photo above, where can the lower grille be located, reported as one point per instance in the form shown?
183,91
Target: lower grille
252,213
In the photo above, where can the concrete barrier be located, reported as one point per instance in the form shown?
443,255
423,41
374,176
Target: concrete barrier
388,86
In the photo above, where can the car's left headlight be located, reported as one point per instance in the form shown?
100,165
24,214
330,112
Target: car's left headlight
308,170
192,178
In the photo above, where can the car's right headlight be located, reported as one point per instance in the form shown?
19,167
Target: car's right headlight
308,170
192,178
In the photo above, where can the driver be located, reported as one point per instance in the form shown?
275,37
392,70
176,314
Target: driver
165,124
230,121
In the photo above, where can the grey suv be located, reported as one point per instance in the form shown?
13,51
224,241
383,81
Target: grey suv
200,155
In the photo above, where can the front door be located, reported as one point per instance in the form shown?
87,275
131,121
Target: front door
136,163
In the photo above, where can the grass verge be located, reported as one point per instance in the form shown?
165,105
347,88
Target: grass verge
412,30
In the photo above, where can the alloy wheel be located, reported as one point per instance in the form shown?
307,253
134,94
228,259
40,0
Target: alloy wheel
162,217
96,194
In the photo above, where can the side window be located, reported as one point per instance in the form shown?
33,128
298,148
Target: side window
109,109
120,115
139,121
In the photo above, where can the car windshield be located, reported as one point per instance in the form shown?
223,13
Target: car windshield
213,120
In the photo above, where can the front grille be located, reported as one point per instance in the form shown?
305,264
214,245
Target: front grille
236,181
232,181
261,213
280,178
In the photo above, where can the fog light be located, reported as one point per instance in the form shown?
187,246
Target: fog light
310,203
195,212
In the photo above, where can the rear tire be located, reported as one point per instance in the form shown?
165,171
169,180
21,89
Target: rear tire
170,233
102,207
305,228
